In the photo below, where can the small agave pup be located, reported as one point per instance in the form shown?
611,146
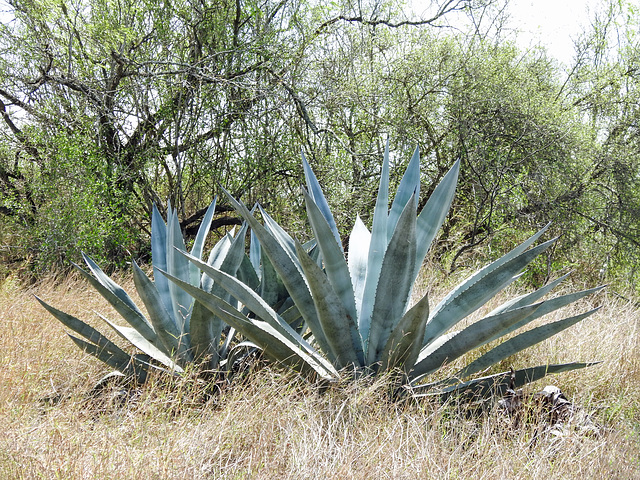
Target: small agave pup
357,308
178,331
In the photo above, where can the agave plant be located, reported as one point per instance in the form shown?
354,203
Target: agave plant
178,330
357,305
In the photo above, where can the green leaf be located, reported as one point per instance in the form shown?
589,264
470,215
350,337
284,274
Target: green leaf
403,346
110,349
243,294
334,262
289,272
161,319
434,213
201,237
338,325
128,366
395,284
179,267
409,186
520,342
433,356
159,257
547,307
377,248
479,288
315,191
498,384
359,241
142,344
290,350
123,305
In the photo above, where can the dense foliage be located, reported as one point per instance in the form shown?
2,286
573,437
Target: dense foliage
109,107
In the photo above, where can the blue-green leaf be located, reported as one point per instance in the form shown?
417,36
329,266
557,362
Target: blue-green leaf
334,262
434,213
377,248
403,346
338,325
478,289
409,186
359,241
395,283
318,197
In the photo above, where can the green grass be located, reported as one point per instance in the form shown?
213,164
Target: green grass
273,425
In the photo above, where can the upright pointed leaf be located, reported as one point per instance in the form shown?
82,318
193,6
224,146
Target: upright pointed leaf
359,241
409,186
338,325
434,213
179,267
334,261
395,284
403,346
159,256
289,273
318,197
377,248
168,333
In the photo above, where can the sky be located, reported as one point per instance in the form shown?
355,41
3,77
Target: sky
554,23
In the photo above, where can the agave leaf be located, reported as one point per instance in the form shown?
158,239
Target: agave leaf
242,293
289,273
337,271
159,257
377,247
255,252
403,346
205,329
247,274
338,325
201,236
528,298
315,191
127,366
123,305
284,239
434,213
272,288
409,186
226,346
171,341
359,241
433,356
498,384
109,284
478,289
142,344
547,307
289,349
520,342
395,283
179,267
110,349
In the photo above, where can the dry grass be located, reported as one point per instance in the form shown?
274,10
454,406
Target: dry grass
273,425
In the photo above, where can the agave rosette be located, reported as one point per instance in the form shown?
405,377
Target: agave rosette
357,306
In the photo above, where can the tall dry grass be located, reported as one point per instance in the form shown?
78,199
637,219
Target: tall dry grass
276,426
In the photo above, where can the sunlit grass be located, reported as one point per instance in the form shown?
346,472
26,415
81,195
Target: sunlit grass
272,424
